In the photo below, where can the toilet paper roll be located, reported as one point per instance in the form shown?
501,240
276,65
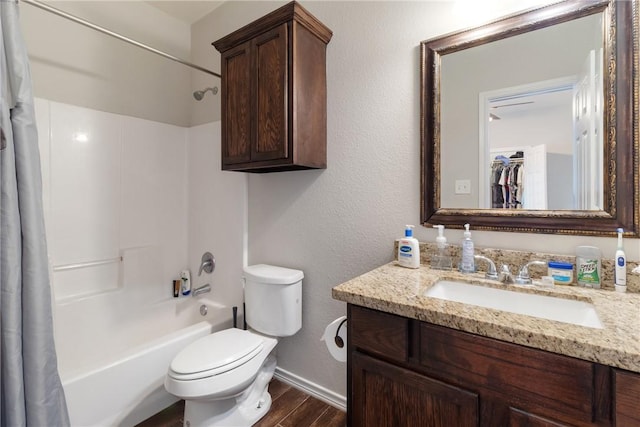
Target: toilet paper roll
335,337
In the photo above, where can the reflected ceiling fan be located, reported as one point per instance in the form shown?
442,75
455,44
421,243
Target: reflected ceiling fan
512,104
493,117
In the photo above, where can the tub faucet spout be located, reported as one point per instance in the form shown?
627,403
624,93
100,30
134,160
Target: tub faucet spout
201,290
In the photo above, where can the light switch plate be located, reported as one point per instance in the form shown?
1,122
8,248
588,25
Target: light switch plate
463,186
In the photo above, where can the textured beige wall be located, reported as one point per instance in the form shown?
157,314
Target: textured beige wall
77,65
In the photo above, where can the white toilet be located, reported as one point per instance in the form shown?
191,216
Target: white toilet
224,377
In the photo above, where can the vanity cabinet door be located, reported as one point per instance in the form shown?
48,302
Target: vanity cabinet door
387,395
627,392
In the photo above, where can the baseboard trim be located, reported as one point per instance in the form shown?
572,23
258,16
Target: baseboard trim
334,399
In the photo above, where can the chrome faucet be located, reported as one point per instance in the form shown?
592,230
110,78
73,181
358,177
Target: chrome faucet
523,276
491,272
201,290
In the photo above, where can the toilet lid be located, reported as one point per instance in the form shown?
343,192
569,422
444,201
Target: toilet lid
217,353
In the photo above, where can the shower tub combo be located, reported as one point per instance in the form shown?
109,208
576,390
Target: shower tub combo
115,335
116,379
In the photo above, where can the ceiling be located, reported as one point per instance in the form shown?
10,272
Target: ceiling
532,103
186,10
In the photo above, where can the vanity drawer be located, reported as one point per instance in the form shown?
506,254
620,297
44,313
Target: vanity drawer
383,334
534,381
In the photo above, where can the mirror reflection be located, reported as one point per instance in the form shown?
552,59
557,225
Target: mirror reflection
457,138
522,120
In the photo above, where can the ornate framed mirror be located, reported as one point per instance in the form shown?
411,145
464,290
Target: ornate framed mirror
482,115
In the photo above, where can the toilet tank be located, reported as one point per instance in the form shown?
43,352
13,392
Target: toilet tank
273,299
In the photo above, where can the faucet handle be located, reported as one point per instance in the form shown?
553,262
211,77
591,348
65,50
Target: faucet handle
505,274
207,264
523,276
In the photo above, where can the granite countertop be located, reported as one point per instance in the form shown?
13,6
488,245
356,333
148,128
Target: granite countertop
397,290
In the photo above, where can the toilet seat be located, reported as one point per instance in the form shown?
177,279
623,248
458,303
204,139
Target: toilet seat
216,354
232,381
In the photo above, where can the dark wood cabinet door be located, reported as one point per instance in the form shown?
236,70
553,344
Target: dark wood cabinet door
270,51
627,399
386,395
237,106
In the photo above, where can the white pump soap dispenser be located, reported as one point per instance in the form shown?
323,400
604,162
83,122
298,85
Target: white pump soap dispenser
467,263
409,249
441,260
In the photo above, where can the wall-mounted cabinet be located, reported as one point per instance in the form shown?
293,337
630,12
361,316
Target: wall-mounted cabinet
274,93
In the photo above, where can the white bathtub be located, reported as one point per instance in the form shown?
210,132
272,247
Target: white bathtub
114,377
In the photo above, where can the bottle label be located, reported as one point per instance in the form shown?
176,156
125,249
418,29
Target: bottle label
405,251
467,263
588,272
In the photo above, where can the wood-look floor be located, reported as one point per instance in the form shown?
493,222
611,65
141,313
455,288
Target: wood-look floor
290,407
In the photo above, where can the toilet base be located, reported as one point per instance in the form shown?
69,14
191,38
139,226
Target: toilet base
243,410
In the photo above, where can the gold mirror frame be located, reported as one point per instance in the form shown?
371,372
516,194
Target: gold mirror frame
620,126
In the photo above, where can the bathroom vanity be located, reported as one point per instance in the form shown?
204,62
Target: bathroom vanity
415,360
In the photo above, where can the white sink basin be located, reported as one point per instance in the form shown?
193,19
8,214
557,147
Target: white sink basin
558,309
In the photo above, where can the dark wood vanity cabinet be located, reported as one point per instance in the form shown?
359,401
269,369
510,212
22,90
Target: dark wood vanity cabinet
273,96
403,372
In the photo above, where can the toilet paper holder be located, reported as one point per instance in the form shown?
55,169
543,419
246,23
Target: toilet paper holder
337,338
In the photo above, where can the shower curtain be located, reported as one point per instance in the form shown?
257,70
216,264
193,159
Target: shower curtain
30,390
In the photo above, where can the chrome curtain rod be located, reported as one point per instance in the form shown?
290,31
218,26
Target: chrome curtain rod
103,30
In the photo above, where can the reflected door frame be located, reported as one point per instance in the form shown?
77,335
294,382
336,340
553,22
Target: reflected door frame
484,100
588,140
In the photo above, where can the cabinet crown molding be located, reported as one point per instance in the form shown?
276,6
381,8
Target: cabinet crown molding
288,12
